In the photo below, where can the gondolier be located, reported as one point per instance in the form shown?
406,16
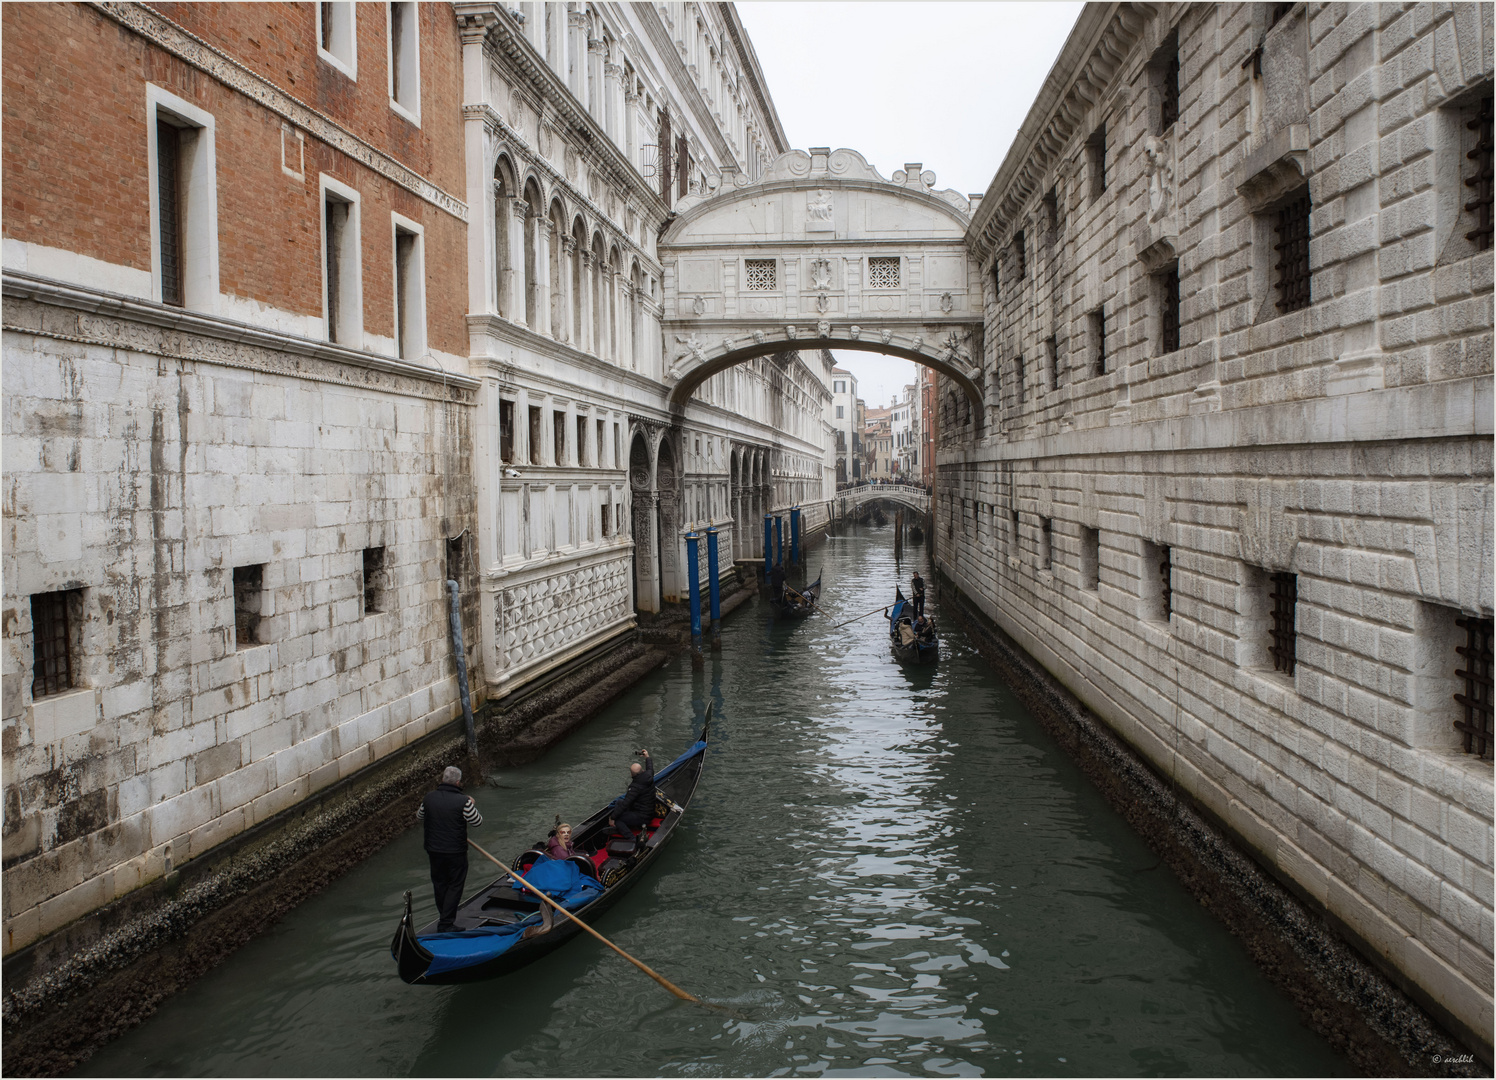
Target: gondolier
447,814
917,601
637,803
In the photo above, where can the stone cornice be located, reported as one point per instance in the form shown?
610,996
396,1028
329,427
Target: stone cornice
121,322
682,78
1093,55
755,75
190,49
501,329
592,143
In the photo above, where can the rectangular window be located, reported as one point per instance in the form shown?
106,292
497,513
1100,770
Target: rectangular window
582,441
1475,672
1020,258
1285,598
183,201
337,41
682,167
1477,180
883,272
374,580
168,193
456,552
558,431
56,618
1046,544
841,412
600,461
1013,534
1052,359
841,387
249,591
410,293
759,275
1097,320
342,282
1052,210
617,448
1157,591
1168,315
405,60
1090,558
506,432
1291,272
536,442
997,280
1165,71
1096,161
606,515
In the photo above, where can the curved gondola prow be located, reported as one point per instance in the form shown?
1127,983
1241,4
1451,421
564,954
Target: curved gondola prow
410,958
706,721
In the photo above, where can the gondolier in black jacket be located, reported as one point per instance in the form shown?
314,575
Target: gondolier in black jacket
447,815
636,806
917,587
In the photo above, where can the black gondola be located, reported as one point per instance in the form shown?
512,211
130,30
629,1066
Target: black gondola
797,604
490,941
908,645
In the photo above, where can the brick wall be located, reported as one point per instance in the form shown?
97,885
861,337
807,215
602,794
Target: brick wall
1347,443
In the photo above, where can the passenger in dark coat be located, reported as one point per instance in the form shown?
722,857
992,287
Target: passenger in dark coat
447,814
637,804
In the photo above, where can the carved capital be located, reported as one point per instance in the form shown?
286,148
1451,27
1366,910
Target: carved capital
519,208
569,245
473,26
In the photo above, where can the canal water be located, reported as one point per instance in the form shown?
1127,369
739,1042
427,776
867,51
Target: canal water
885,872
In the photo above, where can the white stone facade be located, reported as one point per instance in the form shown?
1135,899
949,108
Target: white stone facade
1124,504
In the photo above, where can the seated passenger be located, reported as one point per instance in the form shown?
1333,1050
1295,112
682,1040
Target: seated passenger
906,633
559,846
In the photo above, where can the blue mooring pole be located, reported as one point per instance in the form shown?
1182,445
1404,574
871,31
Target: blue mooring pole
779,541
795,536
713,587
768,546
693,567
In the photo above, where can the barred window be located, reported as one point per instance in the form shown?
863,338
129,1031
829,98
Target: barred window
1477,676
761,275
1292,269
1166,580
1169,102
168,192
1169,310
1096,161
1478,176
1090,558
1097,319
883,272
249,583
1020,257
1285,598
51,649
374,580
1018,374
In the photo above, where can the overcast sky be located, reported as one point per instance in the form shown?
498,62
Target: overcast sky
944,84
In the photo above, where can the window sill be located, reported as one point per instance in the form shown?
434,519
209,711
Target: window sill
333,61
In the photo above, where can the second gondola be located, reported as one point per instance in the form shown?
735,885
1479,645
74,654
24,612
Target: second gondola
797,603
911,643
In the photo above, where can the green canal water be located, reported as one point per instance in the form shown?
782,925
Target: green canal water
885,872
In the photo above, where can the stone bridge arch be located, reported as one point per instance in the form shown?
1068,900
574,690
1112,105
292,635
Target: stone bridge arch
820,252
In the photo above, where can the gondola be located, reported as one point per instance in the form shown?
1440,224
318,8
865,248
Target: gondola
797,604
490,941
908,647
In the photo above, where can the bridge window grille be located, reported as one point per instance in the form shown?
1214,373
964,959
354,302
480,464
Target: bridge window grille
1479,176
1292,268
1477,698
761,275
883,273
1169,315
1285,598
52,661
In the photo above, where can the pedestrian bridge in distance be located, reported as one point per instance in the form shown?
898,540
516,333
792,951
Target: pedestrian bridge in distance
910,496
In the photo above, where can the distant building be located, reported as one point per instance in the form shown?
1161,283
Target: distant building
844,424
927,400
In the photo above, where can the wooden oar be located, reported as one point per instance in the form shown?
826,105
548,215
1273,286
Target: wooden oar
656,976
864,615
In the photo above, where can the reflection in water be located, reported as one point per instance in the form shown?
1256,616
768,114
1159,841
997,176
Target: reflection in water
886,872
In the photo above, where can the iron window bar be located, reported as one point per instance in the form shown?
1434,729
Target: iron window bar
1480,180
1293,254
1477,697
1171,311
1019,255
1169,112
52,666
1285,597
1166,575
168,178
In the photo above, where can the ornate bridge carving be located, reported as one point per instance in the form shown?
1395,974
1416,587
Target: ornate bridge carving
820,252
906,495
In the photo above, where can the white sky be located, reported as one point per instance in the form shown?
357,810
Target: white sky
944,84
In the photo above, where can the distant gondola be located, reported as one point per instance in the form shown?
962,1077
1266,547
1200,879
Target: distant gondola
909,647
797,604
489,938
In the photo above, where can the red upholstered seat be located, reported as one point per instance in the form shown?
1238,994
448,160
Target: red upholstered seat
599,857
655,824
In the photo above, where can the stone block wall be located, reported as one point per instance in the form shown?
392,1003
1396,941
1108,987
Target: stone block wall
138,480
1121,506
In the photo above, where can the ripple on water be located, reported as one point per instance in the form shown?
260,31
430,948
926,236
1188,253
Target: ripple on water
886,872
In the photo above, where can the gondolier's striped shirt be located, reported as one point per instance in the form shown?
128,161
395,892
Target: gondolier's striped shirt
470,814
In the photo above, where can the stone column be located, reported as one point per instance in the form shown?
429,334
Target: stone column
584,327
544,238
576,74
646,575
563,323
517,225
